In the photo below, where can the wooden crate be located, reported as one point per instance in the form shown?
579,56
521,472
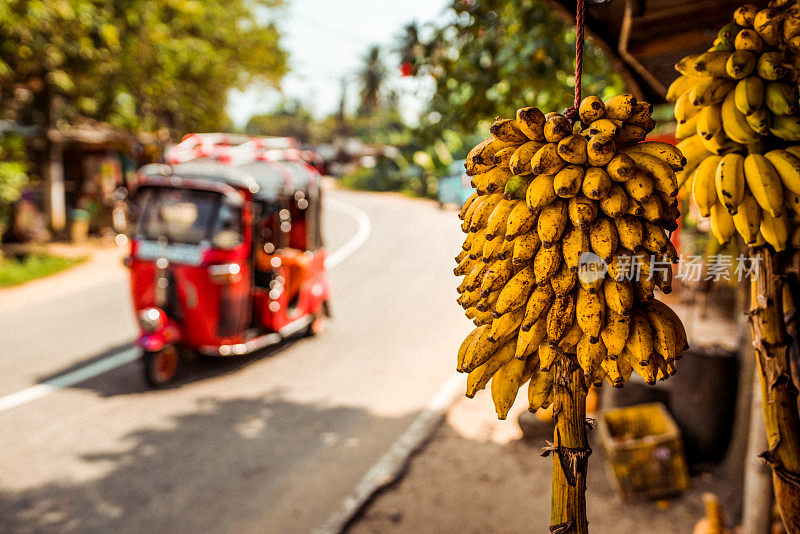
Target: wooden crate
643,446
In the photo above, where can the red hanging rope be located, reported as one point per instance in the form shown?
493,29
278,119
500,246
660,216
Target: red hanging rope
572,113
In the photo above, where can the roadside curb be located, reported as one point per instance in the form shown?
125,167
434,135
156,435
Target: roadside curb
392,464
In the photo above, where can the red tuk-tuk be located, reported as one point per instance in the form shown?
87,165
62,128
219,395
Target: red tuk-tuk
225,259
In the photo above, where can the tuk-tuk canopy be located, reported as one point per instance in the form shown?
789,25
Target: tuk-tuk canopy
265,179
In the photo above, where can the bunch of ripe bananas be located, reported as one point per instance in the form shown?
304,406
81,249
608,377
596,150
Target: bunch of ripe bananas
552,200
737,112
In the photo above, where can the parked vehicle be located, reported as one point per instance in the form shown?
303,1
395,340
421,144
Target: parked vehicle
454,188
225,259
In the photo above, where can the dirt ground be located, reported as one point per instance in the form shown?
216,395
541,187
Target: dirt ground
477,474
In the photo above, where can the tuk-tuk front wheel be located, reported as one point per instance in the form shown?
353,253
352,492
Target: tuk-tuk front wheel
160,367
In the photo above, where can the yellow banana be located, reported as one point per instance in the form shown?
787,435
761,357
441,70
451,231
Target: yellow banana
603,126
600,149
540,193
722,224
771,66
590,308
620,106
564,280
496,223
765,183
479,350
596,183
539,389
665,341
519,221
711,90
640,187
496,276
590,355
560,318
530,121
748,96
640,337
567,181
745,15
621,167
734,122
787,165
712,64
679,86
709,123
591,109
740,64
467,203
680,333
569,342
480,376
775,230
505,386
630,232
556,127
729,181
780,98
546,263
506,325
538,302
615,203
521,159
530,339
704,191
462,349
748,219
647,370
615,333
481,215
618,296
653,238
581,211
552,222
525,247
664,178
666,152
572,149
506,130
515,293
576,241
603,238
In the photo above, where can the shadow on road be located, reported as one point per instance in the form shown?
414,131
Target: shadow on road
232,465
129,378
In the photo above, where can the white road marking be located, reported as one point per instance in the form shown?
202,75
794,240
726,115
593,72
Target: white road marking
38,391
364,229
18,398
393,462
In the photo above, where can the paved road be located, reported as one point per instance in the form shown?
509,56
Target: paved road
270,443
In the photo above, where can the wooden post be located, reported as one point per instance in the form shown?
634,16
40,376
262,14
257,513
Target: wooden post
570,449
779,396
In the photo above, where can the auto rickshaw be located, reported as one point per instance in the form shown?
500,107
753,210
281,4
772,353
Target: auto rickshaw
225,259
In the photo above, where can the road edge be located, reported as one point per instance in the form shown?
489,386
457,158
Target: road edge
393,463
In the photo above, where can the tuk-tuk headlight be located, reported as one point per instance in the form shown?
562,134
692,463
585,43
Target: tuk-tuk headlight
227,273
151,320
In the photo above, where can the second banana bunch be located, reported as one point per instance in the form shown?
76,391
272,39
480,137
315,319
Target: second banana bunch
566,246
737,111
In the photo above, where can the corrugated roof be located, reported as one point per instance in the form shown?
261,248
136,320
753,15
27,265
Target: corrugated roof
647,37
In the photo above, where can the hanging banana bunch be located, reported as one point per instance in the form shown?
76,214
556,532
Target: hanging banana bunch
739,121
560,211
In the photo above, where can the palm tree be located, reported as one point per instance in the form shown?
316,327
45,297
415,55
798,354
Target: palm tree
371,79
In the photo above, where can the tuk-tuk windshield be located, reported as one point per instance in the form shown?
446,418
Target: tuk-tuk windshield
184,215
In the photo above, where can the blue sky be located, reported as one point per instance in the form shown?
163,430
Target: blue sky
326,40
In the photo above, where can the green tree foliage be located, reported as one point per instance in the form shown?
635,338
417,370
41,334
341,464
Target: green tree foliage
495,56
135,63
12,175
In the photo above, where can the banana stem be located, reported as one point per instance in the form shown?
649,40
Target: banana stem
570,449
779,395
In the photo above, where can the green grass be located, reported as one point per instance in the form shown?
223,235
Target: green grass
14,271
